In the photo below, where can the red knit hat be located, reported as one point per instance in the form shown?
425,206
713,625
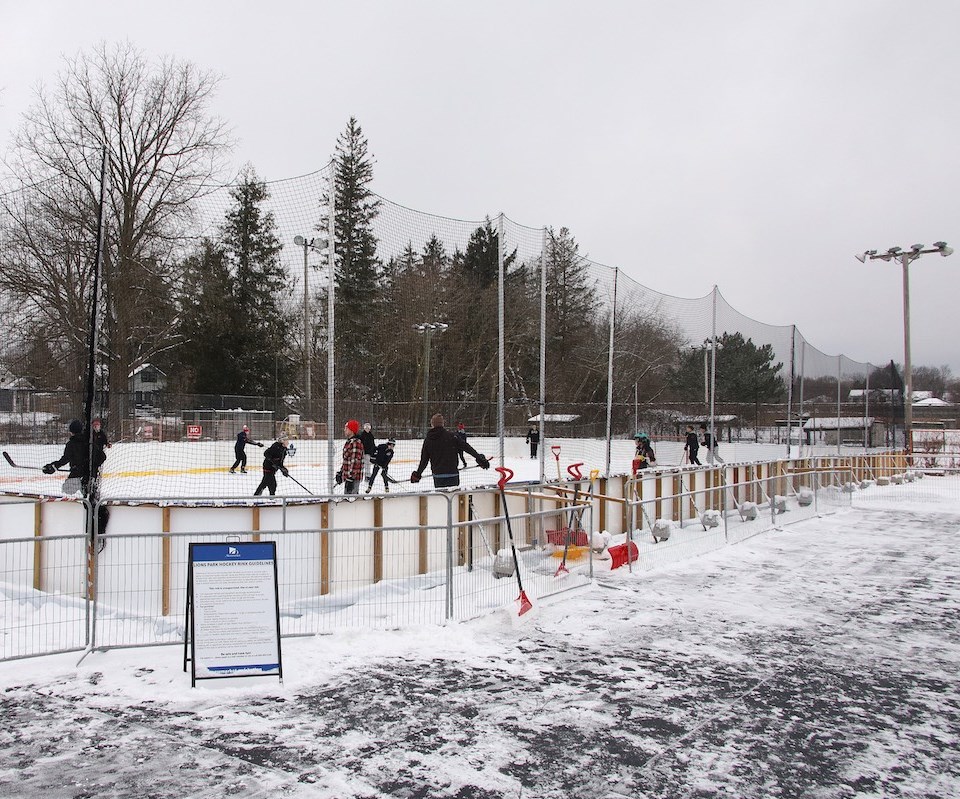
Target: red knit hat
353,426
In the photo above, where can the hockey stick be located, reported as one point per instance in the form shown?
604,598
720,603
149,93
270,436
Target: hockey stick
8,459
287,475
523,599
574,471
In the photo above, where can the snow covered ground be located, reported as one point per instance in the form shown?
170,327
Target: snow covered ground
816,661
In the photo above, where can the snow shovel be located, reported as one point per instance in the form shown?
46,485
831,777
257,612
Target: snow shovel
555,449
523,599
574,471
502,565
659,529
709,518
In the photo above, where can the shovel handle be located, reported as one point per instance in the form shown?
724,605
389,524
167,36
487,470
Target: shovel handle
505,476
555,449
574,470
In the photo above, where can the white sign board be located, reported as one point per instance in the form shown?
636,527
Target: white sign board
233,618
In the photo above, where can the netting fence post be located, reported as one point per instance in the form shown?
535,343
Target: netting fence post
500,335
839,367
803,352
331,322
613,324
793,349
713,378
543,351
866,411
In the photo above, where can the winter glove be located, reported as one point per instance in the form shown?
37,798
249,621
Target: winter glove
414,477
49,469
339,477
284,472
482,462
258,444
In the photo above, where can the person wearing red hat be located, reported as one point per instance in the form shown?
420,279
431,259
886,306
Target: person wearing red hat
351,470
243,438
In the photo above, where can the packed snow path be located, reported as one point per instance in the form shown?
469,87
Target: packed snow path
817,661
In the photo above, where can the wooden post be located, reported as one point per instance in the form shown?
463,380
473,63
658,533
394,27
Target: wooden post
603,504
38,546
325,548
255,523
676,512
658,505
377,539
424,539
165,563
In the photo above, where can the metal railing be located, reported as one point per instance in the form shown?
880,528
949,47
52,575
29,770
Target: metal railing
431,560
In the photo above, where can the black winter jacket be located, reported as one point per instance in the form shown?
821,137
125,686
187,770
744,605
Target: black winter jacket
440,448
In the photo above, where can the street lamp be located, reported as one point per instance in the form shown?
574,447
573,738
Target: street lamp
307,244
428,329
905,257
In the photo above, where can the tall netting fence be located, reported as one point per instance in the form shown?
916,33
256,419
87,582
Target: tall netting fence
288,307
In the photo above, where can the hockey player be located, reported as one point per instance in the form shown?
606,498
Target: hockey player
462,435
644,457
77,455
351,469
712,455
273,457
369,448
533,439
381,461
243,438
692,447
440,448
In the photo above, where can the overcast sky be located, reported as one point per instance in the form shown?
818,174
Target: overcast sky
754,145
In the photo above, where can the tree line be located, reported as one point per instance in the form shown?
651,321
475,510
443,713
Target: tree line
220,315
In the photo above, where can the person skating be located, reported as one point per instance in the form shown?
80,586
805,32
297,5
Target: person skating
351,468
369,448
533,439
100,444
381,462
462,435
273,458
644,457
243,438
692,447
76,453
440,448
711,445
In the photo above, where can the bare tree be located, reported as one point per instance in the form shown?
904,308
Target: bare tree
163,150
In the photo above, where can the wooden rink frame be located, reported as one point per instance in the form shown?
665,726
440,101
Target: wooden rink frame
340,548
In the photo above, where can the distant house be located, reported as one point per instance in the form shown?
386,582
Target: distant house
14,393
848,429
146,381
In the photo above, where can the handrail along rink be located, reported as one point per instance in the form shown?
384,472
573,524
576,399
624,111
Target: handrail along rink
389,561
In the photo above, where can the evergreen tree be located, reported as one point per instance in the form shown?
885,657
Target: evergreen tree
358,273
252,252
208,362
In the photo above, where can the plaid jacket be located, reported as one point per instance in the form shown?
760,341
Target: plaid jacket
353,459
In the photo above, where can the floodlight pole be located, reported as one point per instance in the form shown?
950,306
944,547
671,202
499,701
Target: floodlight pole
905,257
427,329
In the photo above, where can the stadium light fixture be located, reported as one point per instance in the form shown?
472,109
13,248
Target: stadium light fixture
906,257
428,330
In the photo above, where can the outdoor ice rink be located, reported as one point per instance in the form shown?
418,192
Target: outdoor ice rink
820,660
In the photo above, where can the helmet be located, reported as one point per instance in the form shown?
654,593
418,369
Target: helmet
75,427
391,442
642,436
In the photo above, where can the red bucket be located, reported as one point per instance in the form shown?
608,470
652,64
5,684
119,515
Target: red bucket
559,538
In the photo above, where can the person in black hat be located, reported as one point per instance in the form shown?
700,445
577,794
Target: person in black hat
75,453
381,461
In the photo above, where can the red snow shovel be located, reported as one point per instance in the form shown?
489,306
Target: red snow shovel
523,599
574,471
